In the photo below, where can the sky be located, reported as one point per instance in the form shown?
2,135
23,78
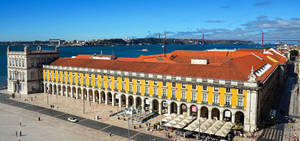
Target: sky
27,20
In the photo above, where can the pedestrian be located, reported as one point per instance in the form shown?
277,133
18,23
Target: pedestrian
20,133
20,123
16,133
39,119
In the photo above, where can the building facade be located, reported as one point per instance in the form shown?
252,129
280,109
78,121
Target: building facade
24,69
223,85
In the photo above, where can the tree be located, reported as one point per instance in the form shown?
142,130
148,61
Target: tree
294,53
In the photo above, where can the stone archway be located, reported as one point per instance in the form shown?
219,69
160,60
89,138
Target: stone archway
123,100
147,104
68,91
130,101
164,107
194,111
79,92
59,90
96,96
155,105
239,118
183,109
227,115
204,112
102,93
215,114
49,89
174,107
63,90
138,103
74,92
55,89
85,93
90,95
116,96
109,98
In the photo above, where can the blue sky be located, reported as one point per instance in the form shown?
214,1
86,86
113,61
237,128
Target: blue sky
99,19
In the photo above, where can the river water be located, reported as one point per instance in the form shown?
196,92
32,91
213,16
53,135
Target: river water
121,51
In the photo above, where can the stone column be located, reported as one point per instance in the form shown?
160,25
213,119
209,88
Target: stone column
169,107
159,107
151,105
106,98
221,115
72,95
120,101
134,102
143,104
82,94
113,99
67,91
233,117
52,90
209,113
62,90
76,93
188,110
127,101
100,98
87,95
45,88
178,109
94,98
198,112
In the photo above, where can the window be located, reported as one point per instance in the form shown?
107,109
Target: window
227,99
240,101
173,84
183,94
146,90
108,82
155,91
240,91
96,82
216,99
130,79
173,92
216,89
204,88
194,86
164,84
130,88
194,95
116,83
228,90
204,98
183,86
102,82
164,92
138,88
123,85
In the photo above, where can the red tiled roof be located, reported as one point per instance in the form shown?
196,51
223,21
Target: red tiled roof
226,65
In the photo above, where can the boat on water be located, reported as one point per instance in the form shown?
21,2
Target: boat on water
145,50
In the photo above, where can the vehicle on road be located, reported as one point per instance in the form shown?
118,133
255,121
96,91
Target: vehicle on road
72,119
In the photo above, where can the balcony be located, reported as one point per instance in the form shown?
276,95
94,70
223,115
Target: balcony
204,102
156,96
164,97
194,101
215,104
146,94
240,107
183,100
173,98
227,105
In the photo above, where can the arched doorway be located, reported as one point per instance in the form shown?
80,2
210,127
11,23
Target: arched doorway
55,89
123,100
84,93
49,89
239,118
79,93
138,103
90,95
116,97
96,96
63,91
204,112
183,109
147,104
215,114
109,97
194,111
155,105
102,96
130,101
174,107
164,108
59,90
68,91
74,92
227,115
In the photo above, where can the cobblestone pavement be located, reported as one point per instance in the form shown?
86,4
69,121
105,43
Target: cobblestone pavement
66,107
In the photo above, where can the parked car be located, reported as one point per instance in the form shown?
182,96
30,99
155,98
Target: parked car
72,119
